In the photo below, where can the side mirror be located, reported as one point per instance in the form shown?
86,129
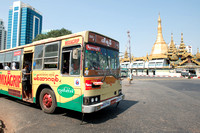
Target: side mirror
75,53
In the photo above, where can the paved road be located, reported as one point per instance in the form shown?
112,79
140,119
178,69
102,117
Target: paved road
159,105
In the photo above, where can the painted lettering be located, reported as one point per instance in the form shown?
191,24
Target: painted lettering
10,80
54,79
73,41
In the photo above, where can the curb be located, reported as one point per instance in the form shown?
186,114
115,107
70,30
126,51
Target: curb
166,76
159,76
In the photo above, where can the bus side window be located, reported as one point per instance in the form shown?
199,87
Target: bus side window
75,62
16,59
1,65
2,60
8,60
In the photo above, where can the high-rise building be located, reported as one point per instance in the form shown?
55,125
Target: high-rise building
24,24
2,35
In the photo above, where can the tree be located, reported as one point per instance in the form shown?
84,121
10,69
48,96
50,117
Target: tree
52,33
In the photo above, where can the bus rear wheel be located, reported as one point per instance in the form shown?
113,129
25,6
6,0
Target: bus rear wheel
47,101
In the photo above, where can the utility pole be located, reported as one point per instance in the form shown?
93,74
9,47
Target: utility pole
129,45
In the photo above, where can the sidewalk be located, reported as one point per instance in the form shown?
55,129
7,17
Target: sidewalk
165,76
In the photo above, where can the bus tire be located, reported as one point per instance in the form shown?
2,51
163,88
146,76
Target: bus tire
47,101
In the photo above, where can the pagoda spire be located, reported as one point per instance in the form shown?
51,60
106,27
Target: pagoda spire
172,41
126,54
172,50
159,47
182,47
182,38
159,35
172,46
198,54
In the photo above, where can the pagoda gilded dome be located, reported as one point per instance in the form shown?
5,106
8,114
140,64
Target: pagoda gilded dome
159,47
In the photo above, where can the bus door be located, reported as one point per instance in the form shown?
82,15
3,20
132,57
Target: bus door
70,88
27,75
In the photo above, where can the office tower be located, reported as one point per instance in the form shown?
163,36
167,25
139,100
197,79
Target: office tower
24,24
2,35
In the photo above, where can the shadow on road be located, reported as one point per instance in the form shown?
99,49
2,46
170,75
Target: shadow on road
109,113
94,118
100,116
20,101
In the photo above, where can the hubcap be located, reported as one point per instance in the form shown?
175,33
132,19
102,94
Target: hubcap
47,100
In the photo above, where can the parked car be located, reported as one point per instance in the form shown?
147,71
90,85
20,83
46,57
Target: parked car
187,74
184,74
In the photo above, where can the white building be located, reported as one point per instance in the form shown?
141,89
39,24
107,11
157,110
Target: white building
3,34
189,49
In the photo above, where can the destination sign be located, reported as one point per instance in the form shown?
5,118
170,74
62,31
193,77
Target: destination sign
95,38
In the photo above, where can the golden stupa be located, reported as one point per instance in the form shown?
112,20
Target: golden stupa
198,54
160,47
182,51
172,50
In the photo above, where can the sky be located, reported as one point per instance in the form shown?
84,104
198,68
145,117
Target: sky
114,18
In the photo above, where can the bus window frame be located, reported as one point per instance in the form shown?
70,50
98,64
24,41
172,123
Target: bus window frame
58,56
21,59
7,61
61,62
2,61
99,45
42,68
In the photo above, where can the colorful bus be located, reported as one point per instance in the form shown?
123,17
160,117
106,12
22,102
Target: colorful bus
80,72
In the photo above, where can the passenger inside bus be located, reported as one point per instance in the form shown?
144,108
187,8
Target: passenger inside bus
28,60
15,65
65,67
7,67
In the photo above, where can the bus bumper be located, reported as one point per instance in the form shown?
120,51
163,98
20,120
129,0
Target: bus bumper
101,105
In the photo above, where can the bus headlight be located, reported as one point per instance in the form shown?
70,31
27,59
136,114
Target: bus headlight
96,99
91,100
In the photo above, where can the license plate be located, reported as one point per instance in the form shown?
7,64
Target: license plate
113,101
119,99
105,104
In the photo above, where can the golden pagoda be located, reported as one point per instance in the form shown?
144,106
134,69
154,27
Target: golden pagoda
198,54
182,51
160,48
172,50
164,60
126,57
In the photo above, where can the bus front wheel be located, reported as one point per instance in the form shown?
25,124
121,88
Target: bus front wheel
47,101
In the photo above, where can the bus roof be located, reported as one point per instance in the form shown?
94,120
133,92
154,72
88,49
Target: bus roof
48,40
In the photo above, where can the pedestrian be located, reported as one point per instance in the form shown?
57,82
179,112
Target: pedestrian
26,82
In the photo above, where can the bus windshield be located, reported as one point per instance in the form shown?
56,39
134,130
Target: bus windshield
101,61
